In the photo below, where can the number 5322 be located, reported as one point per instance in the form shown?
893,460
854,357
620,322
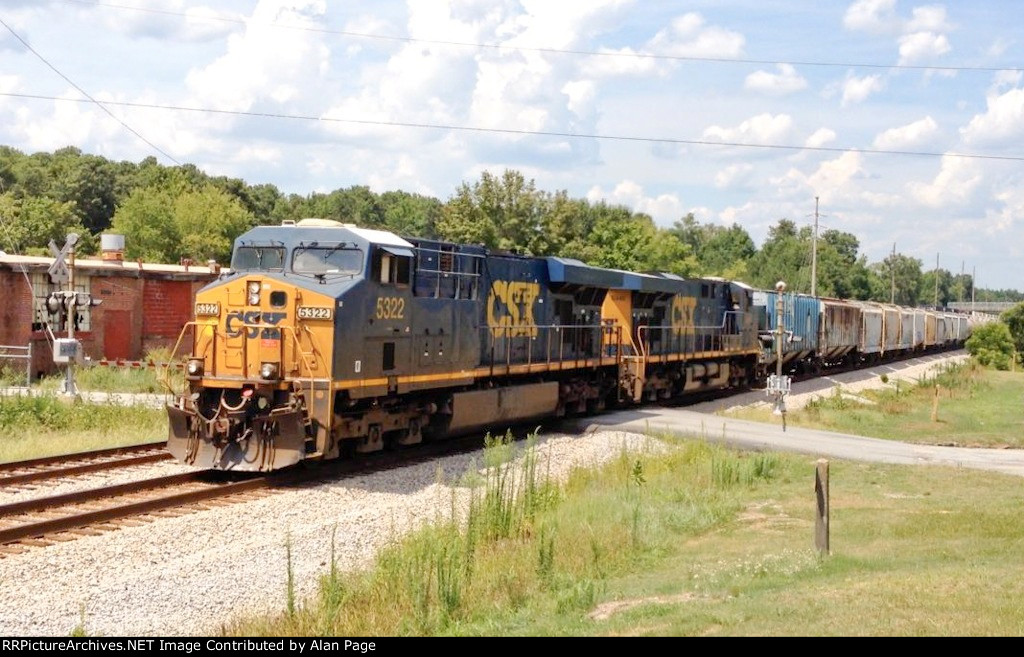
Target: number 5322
390,308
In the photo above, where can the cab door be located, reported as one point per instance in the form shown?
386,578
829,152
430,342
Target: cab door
388,342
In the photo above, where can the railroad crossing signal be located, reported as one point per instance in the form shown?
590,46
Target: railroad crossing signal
58,271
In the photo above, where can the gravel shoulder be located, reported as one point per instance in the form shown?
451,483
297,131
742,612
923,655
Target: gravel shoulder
191,574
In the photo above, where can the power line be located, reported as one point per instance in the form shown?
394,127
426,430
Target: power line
86,94
550,51
513,131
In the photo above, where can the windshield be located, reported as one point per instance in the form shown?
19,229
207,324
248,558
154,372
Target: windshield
327,260
258,258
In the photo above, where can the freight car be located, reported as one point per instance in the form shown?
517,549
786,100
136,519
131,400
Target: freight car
822,333
326,339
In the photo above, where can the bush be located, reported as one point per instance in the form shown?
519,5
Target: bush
992,345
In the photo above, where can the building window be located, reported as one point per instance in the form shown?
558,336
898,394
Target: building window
41,289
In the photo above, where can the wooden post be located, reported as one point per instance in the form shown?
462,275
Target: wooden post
821,517
935,405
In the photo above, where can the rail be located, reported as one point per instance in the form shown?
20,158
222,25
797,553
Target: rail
16,352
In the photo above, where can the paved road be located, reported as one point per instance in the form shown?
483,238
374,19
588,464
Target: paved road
904,369
762,436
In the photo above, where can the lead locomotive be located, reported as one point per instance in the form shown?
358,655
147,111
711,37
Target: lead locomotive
326,339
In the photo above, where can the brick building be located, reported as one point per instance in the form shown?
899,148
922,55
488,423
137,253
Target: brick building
144,306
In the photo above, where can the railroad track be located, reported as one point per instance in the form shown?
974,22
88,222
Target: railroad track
66,465
45,521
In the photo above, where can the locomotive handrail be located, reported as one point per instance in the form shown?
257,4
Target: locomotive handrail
510,334
684,339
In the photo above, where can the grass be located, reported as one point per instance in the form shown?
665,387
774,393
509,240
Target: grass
46,425
697,540
977,407
96,378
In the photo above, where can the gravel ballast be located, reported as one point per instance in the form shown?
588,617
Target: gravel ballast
191,574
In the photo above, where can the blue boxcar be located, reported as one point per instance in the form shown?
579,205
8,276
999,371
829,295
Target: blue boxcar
801,316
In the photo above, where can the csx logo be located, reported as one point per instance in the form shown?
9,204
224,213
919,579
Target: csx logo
510,309
682,312
236,321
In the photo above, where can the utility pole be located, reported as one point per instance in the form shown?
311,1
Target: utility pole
974,271
892,272
936,281
961,290
814,252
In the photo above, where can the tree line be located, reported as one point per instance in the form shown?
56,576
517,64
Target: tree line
172,213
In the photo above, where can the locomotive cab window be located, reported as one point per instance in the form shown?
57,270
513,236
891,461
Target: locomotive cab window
393,265
258,258
332,260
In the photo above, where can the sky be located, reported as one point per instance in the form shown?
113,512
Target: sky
905,120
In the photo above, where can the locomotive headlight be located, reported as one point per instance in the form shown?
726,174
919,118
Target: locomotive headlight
254,293
268,371
194,367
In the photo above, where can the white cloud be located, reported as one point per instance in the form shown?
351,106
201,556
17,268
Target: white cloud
929,18
623,61
264,61
820,137
581,96
998,220
664,208
1003,120
920,46
998,47
1003,79
956,181
158,19
733,175
833,176
761,129
856,90
871,16
786,81
906,136
832,181
688,36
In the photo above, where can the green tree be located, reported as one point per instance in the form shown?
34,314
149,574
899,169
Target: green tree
620,239
946,288
992,345
505,213
86,181
146,219
200,224
207,221
784,256
719,250
1014,320
905,271
412,215
32,222
842,273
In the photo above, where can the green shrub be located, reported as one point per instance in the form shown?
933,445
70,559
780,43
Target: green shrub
992,345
